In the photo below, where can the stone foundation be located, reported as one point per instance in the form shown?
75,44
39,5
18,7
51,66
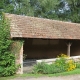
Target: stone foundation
50,61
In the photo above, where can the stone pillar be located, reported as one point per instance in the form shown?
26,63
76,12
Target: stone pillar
19,61
68,49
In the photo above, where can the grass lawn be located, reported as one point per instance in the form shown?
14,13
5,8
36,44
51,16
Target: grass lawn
76,71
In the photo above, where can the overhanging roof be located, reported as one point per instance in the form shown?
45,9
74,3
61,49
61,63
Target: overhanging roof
33,27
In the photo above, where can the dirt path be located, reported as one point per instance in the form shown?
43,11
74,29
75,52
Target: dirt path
71,77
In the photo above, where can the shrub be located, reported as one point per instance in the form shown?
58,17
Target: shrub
45,68
78,65
71,65
50,69
7,65
7,59
60,65
40,67
66,64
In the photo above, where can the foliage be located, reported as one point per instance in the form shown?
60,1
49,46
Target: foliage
62,55
16,46
24,56
38,8
60,65
65,63
15,49
38,68
71,65
7,59
78,65
45,68
67,10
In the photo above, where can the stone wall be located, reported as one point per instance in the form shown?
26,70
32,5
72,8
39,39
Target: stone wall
50,61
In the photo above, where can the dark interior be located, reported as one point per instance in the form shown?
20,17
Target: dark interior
49,48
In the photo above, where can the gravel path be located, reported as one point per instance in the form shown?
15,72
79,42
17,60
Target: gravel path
71,77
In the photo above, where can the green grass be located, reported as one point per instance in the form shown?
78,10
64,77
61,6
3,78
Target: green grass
76,71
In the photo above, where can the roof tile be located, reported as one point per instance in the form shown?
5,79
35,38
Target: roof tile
33,27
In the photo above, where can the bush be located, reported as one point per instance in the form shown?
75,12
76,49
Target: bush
7,59
71,65
60,65
7,64
78,65
45,68
67,65
38,68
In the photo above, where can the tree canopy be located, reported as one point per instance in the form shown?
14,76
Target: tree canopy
68,10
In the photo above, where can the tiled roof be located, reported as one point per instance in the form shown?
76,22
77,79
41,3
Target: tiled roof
33,27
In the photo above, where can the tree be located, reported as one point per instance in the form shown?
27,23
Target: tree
69,10
53,9
6,6
38,8
46,9
74,10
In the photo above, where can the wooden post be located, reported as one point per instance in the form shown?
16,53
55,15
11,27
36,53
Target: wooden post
68,49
